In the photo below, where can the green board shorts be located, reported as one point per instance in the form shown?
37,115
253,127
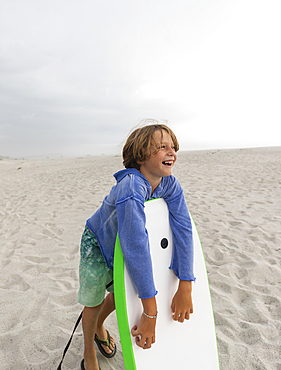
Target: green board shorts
94,275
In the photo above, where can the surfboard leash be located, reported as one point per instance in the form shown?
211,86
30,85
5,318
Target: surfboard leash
68,344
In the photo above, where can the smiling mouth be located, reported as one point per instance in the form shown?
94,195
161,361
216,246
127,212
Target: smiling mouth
168,163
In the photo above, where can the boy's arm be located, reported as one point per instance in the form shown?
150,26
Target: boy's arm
145,331
182,305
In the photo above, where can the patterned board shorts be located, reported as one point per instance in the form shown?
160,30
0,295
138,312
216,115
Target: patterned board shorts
94,275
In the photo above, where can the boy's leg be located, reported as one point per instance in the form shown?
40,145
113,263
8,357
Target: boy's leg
89,325
107,307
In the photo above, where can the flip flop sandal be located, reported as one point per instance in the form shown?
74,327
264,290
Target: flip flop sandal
105,343
82,365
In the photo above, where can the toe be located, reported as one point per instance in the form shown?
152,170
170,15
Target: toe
111,346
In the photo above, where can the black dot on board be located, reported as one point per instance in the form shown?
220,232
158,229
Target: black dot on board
164,243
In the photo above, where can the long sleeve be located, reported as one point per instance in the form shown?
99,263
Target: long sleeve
135,245
183,255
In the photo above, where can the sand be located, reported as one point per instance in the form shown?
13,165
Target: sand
235,199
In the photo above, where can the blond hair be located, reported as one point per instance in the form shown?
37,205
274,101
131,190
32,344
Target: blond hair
140,144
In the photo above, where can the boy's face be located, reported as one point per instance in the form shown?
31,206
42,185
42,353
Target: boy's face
159,164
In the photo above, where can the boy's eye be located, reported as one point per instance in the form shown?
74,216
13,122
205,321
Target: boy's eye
164,147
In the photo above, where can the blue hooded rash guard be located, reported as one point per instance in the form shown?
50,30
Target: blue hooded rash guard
123,210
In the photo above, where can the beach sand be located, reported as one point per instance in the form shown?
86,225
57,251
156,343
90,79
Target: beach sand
234,197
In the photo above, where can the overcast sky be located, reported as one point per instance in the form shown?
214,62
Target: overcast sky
76,76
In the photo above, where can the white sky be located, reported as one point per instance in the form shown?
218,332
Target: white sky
76,76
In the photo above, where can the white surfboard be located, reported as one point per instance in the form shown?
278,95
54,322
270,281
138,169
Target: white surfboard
190,345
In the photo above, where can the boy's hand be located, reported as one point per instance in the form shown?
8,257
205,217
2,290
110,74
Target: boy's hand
145,332
182,305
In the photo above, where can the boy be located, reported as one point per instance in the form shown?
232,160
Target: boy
148,156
